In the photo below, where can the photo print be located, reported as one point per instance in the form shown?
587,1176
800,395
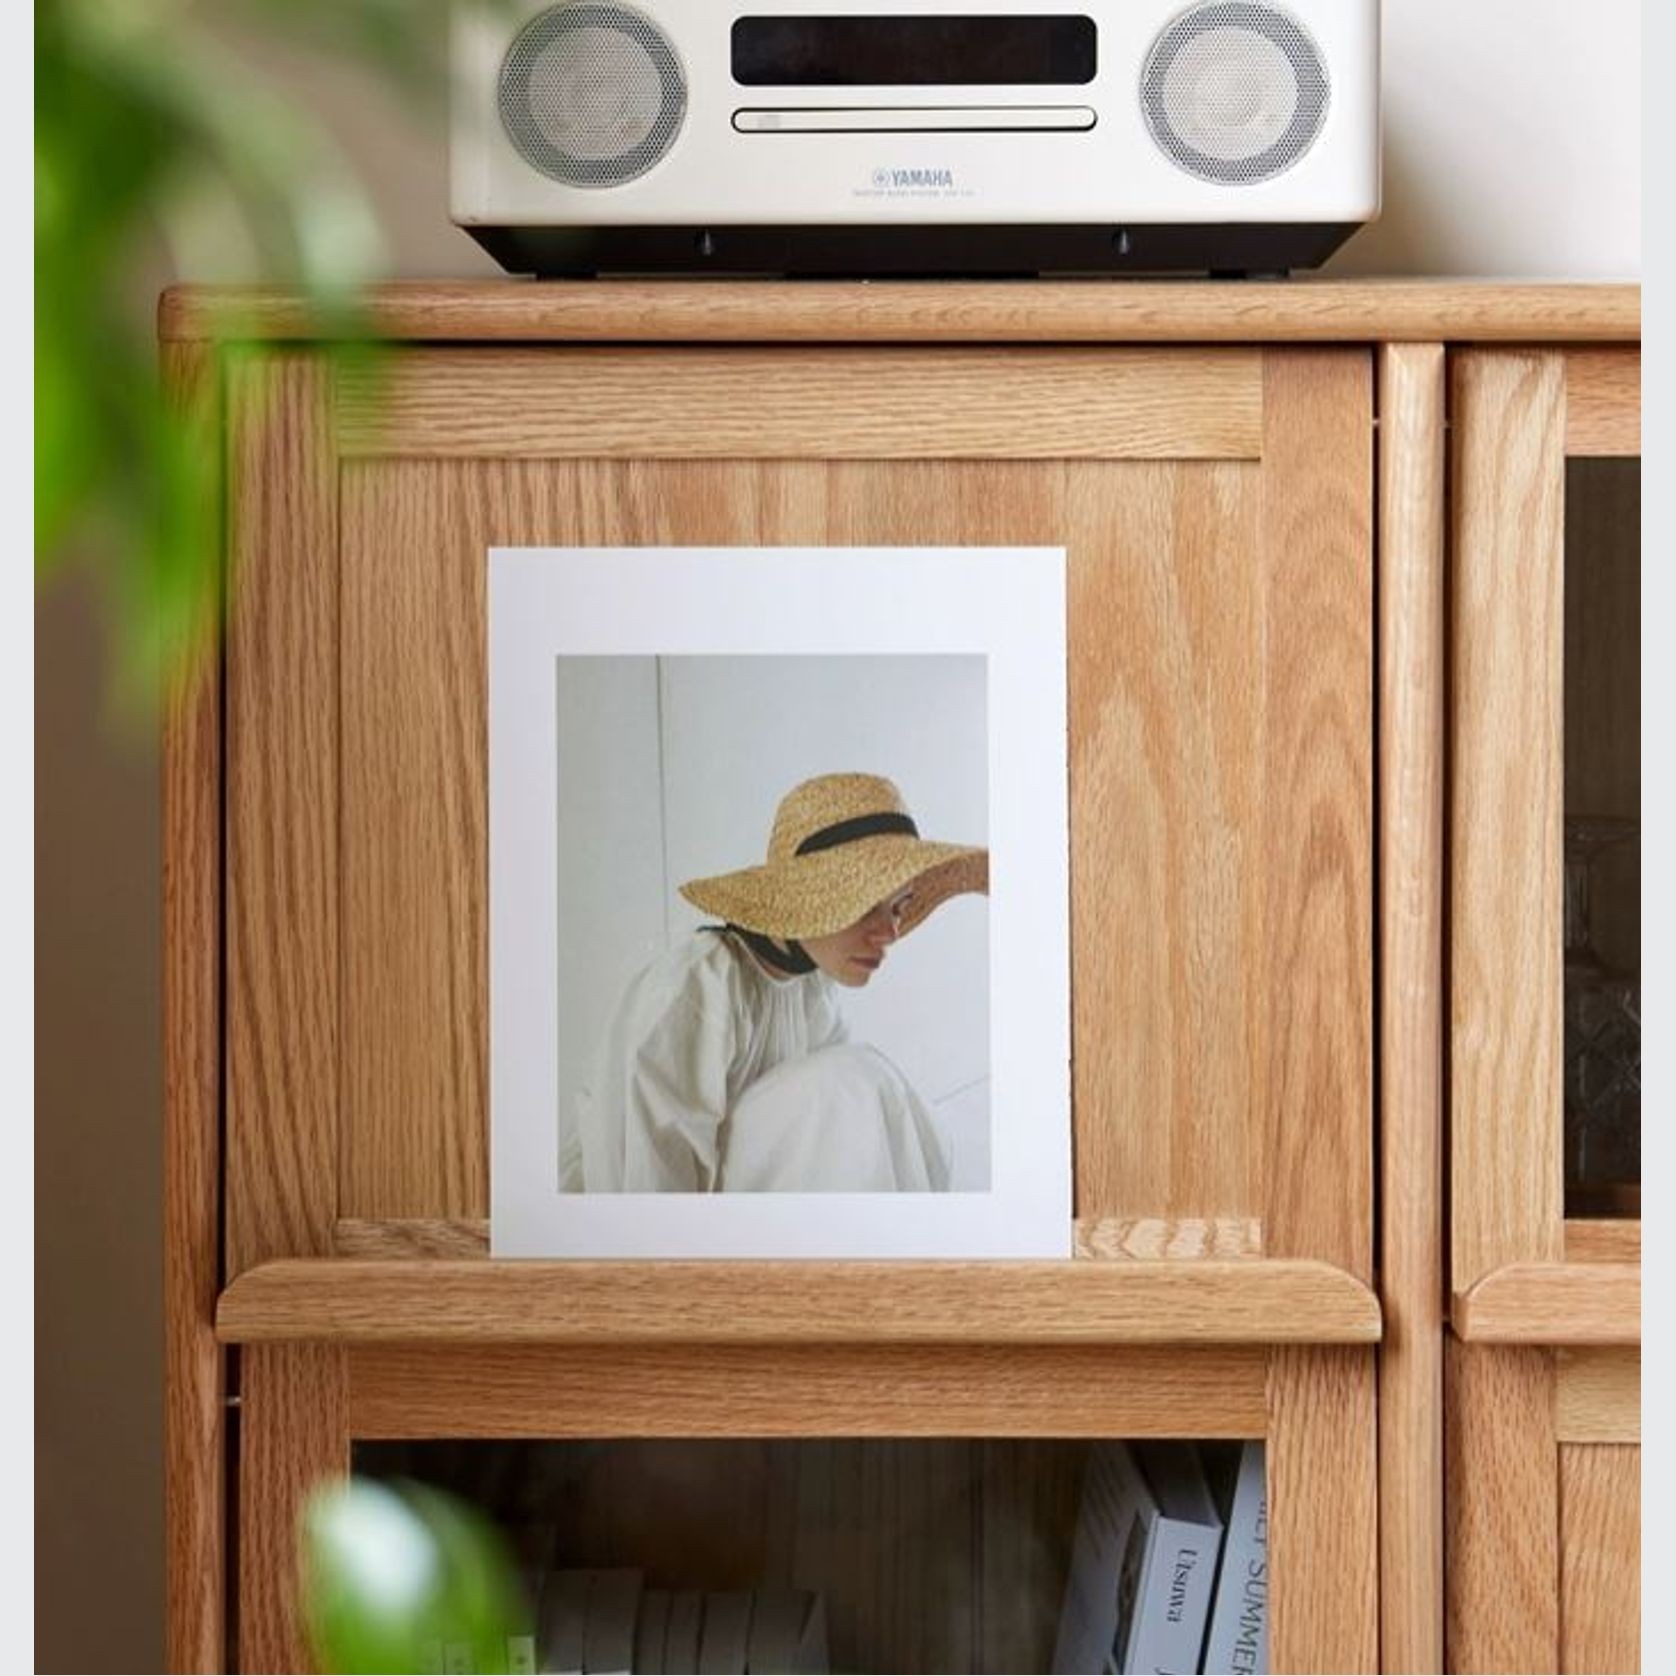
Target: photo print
758,901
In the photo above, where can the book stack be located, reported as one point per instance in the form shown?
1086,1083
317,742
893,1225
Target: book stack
1169,1564
607,1623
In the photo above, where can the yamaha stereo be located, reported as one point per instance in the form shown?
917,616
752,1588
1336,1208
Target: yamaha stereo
944,137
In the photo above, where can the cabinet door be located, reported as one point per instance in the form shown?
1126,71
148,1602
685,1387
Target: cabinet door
1545,1040
1215,505
1543,1389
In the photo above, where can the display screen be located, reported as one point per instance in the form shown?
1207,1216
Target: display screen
913,51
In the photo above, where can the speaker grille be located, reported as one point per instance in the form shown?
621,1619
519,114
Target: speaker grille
1234,92
591,95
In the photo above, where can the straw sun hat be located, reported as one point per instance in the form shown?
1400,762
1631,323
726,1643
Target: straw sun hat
841,844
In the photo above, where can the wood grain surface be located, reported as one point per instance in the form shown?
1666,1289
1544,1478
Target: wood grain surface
1170,1022
728,1302
414,857
1323,1508
837,402
1505,885
293,1438
1170,822
282,816
1115,1239
1502,1553
1600,1558
1603,401
1411,864
1316,766
743,1390
1609,1240
1552,1303
1148,1239
1597,1396
1192,311
194,1379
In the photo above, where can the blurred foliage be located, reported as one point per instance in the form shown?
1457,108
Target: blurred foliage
159,140
399,1576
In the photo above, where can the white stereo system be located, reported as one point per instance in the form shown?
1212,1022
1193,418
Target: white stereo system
928,137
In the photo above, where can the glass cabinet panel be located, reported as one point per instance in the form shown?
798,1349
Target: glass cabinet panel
871,1554
1602,837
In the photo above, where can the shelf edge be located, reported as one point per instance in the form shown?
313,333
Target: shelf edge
1552,1303
1244,1301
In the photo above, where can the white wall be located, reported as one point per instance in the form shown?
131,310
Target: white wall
671,769
1512,141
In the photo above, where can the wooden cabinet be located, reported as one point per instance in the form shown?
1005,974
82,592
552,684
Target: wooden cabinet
1207,456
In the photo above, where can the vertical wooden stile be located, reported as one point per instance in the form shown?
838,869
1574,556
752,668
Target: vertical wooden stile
1323,1511
1507,487
1502,1568
1600,1560
1411,769
282,815
194,1477
294,1439
1316,535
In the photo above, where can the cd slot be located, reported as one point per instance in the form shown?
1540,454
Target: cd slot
877,119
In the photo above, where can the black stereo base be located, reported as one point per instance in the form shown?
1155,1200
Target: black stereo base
902,252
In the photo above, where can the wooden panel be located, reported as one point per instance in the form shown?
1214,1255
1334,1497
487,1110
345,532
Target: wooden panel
1505,855
1166,722
1502,1558
294,1437
1208,1302
194,1445
476,1390
1143,1239
1159,558
1411,757
821,404
1316,534
1309,309
1600,1558
1323,1512
1604,1241
1553,1303
414,858
1598,1396
1147,1239
282,832
1603,401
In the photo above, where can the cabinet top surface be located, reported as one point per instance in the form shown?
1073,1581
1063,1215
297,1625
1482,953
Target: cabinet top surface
1110,311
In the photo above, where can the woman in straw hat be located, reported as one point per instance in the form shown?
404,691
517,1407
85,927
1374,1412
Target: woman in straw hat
728,1066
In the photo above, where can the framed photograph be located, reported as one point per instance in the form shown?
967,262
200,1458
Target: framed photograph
779,944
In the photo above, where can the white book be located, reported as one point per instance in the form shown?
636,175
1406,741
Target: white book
1142,1562
680,1645
650,1631
608,1627
788,1633
564,1613
1176,1589
1238,1644
726,1634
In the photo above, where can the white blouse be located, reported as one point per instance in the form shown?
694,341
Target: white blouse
695,1029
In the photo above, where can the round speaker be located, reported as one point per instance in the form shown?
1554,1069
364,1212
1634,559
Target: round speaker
591,95
1234,92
